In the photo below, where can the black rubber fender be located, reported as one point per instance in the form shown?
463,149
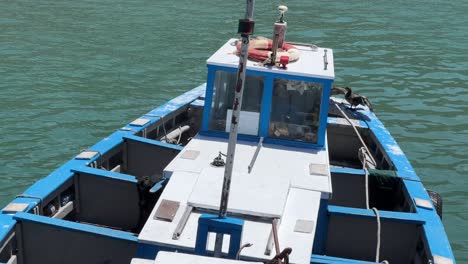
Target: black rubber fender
436,199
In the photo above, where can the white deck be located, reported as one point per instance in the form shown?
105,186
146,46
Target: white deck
267,193
280,185
310,63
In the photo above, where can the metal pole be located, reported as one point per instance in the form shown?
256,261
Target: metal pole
245,29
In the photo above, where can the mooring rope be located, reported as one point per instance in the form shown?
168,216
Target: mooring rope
357,132
241,248
362,157
377,253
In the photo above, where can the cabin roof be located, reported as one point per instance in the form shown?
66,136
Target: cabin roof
310,63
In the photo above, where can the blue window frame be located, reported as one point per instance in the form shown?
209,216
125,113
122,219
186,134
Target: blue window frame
266,107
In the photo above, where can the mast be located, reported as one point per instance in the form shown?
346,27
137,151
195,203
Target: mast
245,29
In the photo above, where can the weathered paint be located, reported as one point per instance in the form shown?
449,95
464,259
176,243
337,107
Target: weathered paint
7,223
433,227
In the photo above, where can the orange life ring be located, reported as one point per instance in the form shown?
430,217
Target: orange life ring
260,50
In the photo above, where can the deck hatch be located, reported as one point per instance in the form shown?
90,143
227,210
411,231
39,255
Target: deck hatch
190,154
318,169
140,122
167,210
15,207
304,226
442,260
423,203
87,155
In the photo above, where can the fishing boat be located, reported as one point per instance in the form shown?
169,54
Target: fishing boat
258,165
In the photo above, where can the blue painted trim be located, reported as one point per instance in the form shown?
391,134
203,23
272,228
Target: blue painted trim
359,172
208,99
169,107
389,145
41,189
159,185
324,108
266,107
347,170
410,218
105,174
177,103
219,134
267,101
62,224
6,227
108,143
269,74
433,228
154,142
208,223
321,231
318,259
291,143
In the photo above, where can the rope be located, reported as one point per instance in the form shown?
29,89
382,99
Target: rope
367,187
377,253
357,132
241,248
180,135
363,158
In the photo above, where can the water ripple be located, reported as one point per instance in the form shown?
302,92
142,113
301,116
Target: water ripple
71,72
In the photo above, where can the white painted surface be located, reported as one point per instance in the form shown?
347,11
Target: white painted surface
279,184
179,258
178,189
310,62
141,261
254,194
272,160
209,149
301,205
249,122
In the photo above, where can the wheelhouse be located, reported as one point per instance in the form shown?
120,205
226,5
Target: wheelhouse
286,106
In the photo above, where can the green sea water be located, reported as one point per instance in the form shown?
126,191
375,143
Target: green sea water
72,72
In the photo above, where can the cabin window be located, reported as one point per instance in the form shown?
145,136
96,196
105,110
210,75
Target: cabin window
295,110
223,98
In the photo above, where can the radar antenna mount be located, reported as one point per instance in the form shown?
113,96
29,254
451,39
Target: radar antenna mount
279,34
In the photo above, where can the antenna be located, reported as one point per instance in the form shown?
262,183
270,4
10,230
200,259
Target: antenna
282,9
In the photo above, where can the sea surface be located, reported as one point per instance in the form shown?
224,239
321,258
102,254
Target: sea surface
72,72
